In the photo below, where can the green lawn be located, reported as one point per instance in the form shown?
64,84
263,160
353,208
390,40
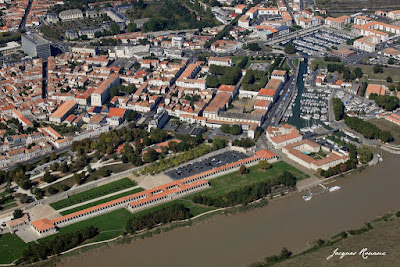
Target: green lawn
112,224
233,181
237,59
115,168
11,247
388,126
9,205
368,70
195,209
94,193
133,191
296,62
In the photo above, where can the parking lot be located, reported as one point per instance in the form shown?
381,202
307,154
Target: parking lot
206,165
259,66
319,40
357,104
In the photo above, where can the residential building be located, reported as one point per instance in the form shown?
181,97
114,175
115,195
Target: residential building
71,14
303,153
220,61
338,23
63,111
375,89
284,135
102,93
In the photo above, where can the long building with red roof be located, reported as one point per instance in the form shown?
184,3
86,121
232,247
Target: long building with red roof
149,197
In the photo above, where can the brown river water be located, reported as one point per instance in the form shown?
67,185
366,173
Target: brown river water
241,239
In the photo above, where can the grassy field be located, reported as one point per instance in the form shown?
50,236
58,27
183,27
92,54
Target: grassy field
112,224
94,193
323,63
233,181
368,70
296,62
385,237
115,168
9,205
133,191
11,247
346,4
388,126
237,59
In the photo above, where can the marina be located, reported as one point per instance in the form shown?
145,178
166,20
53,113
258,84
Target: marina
308,109
318,41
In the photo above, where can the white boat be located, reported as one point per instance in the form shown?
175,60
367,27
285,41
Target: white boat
334,188
307,197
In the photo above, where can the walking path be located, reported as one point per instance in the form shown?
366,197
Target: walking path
97,199
96,165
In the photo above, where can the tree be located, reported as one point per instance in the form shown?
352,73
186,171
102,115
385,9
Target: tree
390,61
39,193
52,190
389,79
24,198
77,179
64,167
18,214
48,178
150,155
378,68
254,47
264,165
218,143
132,27
290,49
243,170
364,154
338,108
114,28
53,156
89,169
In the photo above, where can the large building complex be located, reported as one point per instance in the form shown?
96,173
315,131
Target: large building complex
35,45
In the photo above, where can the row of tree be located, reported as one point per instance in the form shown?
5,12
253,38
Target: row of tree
54,246
234,129
338,108
387,102
170,213
246,194
342,167
367,129
173,161
244,142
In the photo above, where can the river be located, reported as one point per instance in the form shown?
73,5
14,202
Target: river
241,239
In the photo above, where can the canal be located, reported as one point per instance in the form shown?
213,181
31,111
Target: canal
295,119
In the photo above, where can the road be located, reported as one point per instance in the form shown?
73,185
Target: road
275,111
289,36
27,10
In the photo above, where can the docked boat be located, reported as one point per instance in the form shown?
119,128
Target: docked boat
334,188
307,197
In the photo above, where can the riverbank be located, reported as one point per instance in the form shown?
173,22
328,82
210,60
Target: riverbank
385,234
247,237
